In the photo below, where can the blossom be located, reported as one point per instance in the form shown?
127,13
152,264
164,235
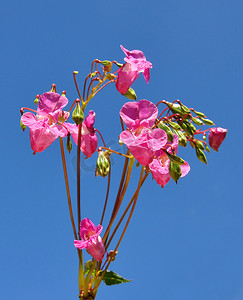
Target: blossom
135,63
159,167
89,140
140,114
43,127
216,137
90,239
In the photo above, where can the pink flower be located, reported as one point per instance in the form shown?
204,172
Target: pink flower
159,167
135,63
137,115
144,146
216,137
43,127
91,240
89,140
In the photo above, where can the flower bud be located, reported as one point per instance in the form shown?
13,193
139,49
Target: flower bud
167,129
188,127
216,137
69,143
102,165
200,145
174,125
22,126
199,114
175,171
130,94
111,256
36,99
207,148
78,114
201,156
197,121
207,121
178,108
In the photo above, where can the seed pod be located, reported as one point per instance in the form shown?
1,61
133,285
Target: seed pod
207,148
201,156
207,121
197,121
182,138
130,94
188,127
69,143
167,129
200,114
78,114
200,145
175,171
175,159
102,165
178,109
174,125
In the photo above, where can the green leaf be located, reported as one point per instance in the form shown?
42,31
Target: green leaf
175,159
111,278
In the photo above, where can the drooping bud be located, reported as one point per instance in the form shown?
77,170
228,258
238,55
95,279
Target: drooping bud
167,129
199,114
102,165
201,156
37,99
174,125
207,148
200,145
130,94
216,137
78,114
111,256
175,171
178,108
69,143
23,127
188,127
182,138
107,65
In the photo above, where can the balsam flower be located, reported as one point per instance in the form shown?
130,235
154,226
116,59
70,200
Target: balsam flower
216,137
91,240
43,126
89,140
159,167
135,63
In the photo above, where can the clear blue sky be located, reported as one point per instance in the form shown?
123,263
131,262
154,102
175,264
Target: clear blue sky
185,241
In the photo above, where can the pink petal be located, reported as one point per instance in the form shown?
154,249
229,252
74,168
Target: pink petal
97,249
29,119
216,137
125,78
50,102
160,172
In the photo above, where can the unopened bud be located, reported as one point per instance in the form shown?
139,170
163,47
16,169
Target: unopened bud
110,76
188,127
69,143
167,129
23,127
53,88
175,171
204,136
130,94
178,108
64,93
111,256
207,148
201,156
102,165
78,114
207,121
36,99
107,65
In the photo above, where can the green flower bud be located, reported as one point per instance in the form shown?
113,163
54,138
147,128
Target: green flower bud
182,138
204,136
167,129
130,94
78,114
69,143
175,171
175,159
207,148
201,156
207,121
22,126
189,128
105,62
174,125
102,165
192,143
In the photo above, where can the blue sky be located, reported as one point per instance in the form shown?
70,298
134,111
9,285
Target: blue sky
184,241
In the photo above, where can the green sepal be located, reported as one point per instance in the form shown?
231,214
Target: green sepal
111,278
175,171
130,94
175,159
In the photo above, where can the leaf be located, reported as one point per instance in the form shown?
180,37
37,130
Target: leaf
111,278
